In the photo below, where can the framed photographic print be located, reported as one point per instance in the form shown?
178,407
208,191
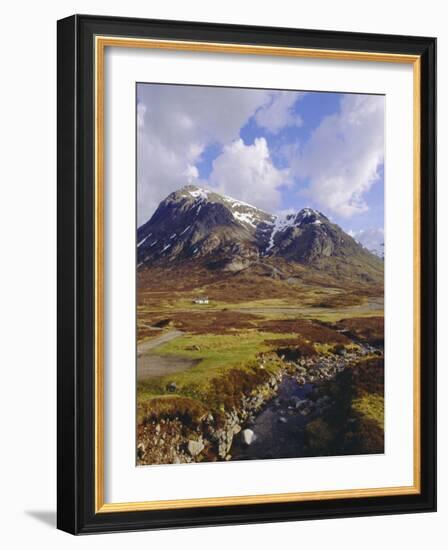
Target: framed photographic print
246,274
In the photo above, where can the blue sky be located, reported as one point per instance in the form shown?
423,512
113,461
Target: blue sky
278,150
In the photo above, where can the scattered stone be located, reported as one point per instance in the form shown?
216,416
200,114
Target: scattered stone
236,429
172,386
283,420
140,450
247,436
195,447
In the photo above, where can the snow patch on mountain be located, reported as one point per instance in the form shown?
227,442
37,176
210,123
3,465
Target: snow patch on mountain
198,192
235,202
280,223
245,217
143,240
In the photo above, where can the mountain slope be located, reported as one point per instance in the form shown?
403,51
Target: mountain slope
219,232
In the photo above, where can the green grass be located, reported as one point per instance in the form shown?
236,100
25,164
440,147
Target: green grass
217,353
312,313
227,368
371,406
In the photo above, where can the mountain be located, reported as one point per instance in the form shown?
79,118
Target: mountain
218,232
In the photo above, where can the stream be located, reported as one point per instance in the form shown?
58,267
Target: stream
278,428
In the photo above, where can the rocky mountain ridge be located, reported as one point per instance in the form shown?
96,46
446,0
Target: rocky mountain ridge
198,225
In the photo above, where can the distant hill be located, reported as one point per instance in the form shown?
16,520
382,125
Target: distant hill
372,239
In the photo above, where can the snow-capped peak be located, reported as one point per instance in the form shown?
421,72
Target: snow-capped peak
199,193
242,212
282,222
310,215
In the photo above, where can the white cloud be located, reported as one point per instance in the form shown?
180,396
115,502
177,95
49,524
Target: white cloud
343,155
246,172
279,113
175,124
191,173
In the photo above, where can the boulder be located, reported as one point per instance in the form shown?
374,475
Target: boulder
140,450
236,429
195,447
247,436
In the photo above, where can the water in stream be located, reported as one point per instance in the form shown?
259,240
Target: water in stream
279,427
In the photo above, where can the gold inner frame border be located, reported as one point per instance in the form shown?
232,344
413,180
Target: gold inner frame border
101,42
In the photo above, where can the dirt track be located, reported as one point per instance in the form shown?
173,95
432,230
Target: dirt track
147,345
150,364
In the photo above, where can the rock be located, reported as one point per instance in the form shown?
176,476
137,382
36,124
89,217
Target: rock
194,347
195,447
322,401
283,420
247,436
236,429
140,450
172,386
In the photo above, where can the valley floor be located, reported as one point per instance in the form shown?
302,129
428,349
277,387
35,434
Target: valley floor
213,380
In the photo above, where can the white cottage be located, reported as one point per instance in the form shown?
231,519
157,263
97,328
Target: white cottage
201,300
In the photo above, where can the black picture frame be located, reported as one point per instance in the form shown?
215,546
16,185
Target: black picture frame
76,254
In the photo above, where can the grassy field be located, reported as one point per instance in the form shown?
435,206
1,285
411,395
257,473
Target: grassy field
355,423
240,338
220,356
